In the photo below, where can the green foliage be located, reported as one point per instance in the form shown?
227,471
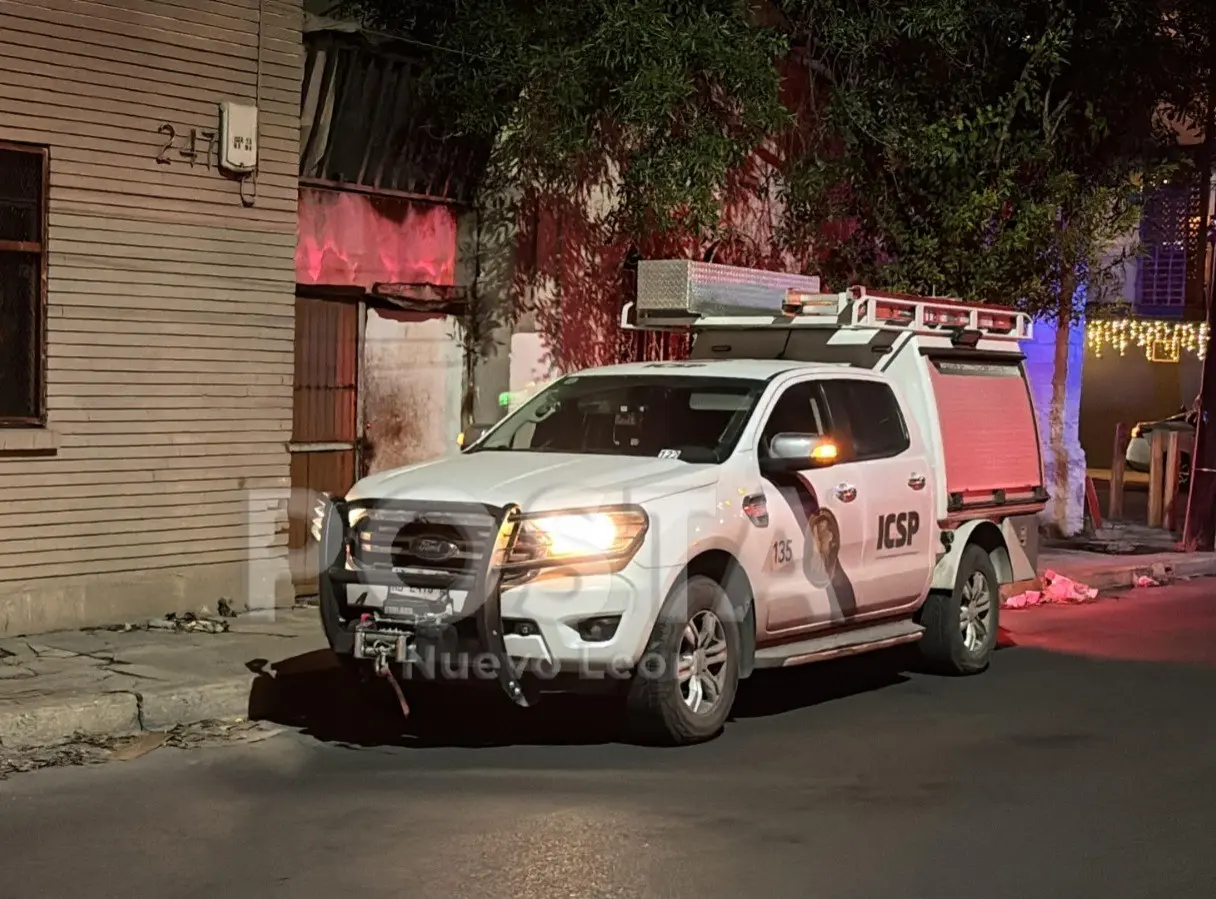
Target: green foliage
985,148
669,96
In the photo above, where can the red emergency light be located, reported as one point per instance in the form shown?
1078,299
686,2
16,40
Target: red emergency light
800,301
947,317
1003,324
895,312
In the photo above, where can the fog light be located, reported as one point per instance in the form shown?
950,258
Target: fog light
520,627
597,630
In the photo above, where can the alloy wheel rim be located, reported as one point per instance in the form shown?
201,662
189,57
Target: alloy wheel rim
702,663
975,613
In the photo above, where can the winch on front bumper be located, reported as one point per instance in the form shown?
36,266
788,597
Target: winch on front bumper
442,564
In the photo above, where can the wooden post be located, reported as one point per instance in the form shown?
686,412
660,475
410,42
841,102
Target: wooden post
1170,482
1091,500
1186,446
1118,464
1156,479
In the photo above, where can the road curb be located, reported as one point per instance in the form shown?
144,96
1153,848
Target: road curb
41,724
115,714
189,704
1126,575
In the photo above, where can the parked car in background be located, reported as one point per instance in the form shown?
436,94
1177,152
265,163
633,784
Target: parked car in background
1139,447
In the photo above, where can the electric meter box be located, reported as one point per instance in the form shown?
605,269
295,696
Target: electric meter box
238,137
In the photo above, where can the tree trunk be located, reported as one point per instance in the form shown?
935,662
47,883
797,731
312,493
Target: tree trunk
1061,492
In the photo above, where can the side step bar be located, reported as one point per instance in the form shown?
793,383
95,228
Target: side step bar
835,645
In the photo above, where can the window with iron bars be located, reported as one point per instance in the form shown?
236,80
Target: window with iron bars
23,190
1166,241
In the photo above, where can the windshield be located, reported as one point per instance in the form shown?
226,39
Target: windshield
696,419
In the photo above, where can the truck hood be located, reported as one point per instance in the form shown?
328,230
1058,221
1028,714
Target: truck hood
537,482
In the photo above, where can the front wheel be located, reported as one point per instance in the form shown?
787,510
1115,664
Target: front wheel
685,684
961,625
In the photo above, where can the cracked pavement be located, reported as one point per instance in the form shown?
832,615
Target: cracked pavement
102,681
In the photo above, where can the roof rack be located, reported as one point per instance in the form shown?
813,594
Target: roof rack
681,295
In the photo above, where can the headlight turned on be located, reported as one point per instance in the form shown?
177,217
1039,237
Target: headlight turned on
584,536
317,520
319,510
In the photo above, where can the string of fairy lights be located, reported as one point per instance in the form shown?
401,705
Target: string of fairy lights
1161,341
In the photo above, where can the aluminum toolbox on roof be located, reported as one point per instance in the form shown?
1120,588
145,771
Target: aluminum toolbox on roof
678,288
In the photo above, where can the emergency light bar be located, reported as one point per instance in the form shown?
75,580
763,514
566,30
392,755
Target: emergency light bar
678,294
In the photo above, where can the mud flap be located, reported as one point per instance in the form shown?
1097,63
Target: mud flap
490,631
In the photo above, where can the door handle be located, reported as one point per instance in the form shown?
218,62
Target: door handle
917,482
846,493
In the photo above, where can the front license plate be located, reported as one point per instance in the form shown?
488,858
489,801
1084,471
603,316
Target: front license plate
414,603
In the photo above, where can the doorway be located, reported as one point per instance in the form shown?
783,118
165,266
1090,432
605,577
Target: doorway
326,422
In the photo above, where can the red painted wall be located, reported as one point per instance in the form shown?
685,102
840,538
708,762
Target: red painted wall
581,263
351,239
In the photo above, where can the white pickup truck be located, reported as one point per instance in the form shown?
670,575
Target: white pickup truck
828,474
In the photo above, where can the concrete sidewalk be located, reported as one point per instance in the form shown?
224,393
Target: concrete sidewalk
103,682
1107,571
98,682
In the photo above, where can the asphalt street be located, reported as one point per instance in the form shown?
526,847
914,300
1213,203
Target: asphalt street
1080,765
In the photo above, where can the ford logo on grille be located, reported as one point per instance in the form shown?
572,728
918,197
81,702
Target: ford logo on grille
432,549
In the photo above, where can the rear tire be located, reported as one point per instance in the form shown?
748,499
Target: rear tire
961,625
683,689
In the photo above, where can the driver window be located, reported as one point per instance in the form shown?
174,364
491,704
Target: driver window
799,410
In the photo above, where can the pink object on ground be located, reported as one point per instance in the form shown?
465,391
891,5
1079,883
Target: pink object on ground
1057,589
1145,581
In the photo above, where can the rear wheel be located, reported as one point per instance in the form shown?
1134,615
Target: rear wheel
685,685
961,625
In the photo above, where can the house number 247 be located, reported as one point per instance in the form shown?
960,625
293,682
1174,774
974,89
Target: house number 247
195,147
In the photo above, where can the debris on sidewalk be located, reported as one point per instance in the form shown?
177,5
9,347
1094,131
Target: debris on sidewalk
1057,589
185,622
1117,539
139,746
1145,581
190,623
82,749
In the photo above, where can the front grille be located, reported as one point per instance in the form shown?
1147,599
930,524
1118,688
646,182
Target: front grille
427,541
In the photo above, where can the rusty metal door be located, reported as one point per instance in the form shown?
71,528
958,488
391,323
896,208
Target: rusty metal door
325,431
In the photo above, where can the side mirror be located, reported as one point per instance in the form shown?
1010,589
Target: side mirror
798,452
471,435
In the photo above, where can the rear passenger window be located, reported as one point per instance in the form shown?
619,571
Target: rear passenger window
872,415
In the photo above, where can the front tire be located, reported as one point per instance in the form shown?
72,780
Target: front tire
961,625
685,685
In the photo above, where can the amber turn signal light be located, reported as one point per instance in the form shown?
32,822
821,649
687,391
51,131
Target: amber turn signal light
824,452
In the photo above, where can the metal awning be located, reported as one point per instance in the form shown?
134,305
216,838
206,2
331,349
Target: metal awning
425,298
365,122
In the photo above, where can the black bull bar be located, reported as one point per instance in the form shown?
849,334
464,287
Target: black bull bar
483,582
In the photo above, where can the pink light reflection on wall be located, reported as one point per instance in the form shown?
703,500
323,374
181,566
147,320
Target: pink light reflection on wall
349,239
